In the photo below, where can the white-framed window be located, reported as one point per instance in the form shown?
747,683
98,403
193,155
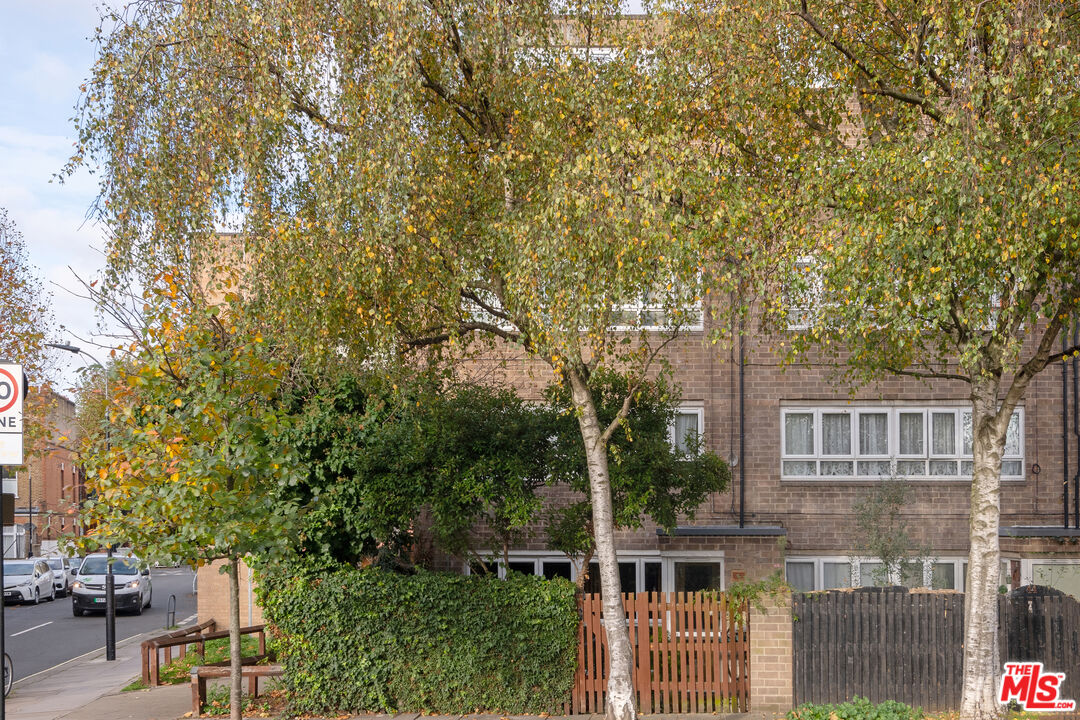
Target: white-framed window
638,572
688,422
862,442
652,312
10,483
806,574
803,294
691,571
1063,574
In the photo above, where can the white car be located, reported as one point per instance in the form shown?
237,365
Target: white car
133,591
28,580
62,575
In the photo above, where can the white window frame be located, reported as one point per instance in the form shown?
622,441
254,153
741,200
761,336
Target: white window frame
539,557
819,431
893,412
889,453
667,577
810,311
14,480
697,410
694,316
855,564
1027,569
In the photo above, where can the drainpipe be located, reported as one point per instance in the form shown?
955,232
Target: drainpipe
1076,424
1065,434
742,430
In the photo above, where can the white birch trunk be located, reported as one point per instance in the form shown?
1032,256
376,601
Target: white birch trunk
620,690
981,662
235,706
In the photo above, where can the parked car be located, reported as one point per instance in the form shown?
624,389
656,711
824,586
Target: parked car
28,580
133,590
61,575
74,562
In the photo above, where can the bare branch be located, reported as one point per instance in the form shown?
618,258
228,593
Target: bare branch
462,329
927,374
624,410
882,88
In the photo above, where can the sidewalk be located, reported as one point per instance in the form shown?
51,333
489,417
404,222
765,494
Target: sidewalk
88,688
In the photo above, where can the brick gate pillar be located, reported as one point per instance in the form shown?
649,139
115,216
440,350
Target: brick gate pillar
771,656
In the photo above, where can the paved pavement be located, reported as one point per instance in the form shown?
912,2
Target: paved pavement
89,684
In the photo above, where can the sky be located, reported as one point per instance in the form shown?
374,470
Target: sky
46,52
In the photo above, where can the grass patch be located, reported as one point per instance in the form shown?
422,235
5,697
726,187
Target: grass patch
136,684
179,670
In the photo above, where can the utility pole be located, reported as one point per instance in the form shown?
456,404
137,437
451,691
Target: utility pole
110,587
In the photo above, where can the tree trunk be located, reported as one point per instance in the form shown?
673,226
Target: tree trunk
235,707
620,691
583,576
981,664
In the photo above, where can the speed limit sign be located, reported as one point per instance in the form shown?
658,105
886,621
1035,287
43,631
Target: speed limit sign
12,391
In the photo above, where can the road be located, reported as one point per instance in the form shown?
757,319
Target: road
40,636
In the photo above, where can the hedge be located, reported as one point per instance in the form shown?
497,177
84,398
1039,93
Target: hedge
376,641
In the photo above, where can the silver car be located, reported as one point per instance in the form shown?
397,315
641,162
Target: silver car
28,580
62,573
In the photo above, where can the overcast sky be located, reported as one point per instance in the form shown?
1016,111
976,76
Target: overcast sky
45,53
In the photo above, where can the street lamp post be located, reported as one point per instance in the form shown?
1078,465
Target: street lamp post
110,580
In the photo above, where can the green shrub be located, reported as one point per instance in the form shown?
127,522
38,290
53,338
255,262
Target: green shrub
372,640
857,709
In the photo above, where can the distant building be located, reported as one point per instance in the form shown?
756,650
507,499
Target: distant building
48,489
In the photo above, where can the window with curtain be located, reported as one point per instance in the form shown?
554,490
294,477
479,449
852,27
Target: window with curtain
686,425
924,443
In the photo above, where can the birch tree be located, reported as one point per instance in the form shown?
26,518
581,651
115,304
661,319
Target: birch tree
909,173
428,177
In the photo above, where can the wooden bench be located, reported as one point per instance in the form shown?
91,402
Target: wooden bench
249,669
196,635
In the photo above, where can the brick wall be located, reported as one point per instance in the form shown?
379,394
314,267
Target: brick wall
213,600
817,514
771,657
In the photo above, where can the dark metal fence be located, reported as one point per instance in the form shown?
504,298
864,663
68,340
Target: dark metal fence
891,644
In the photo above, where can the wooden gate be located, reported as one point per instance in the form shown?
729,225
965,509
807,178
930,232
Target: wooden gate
689,655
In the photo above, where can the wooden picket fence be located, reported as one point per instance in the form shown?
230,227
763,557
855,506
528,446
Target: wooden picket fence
689,654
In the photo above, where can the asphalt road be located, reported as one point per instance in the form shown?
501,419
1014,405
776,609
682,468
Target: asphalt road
37,637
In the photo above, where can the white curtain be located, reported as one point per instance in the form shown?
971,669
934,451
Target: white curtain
873,433
835,434
799,433
1012,436
685,424
800,575
944,441
911,434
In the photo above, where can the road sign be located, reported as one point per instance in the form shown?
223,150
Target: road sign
12,392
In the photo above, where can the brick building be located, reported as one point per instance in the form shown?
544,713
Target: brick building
804,448
49,487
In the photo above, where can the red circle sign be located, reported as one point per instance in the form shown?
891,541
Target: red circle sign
5,376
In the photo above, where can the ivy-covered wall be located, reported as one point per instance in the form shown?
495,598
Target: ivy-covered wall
372,640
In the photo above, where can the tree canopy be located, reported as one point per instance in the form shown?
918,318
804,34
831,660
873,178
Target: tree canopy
909,172
26,320
412,176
